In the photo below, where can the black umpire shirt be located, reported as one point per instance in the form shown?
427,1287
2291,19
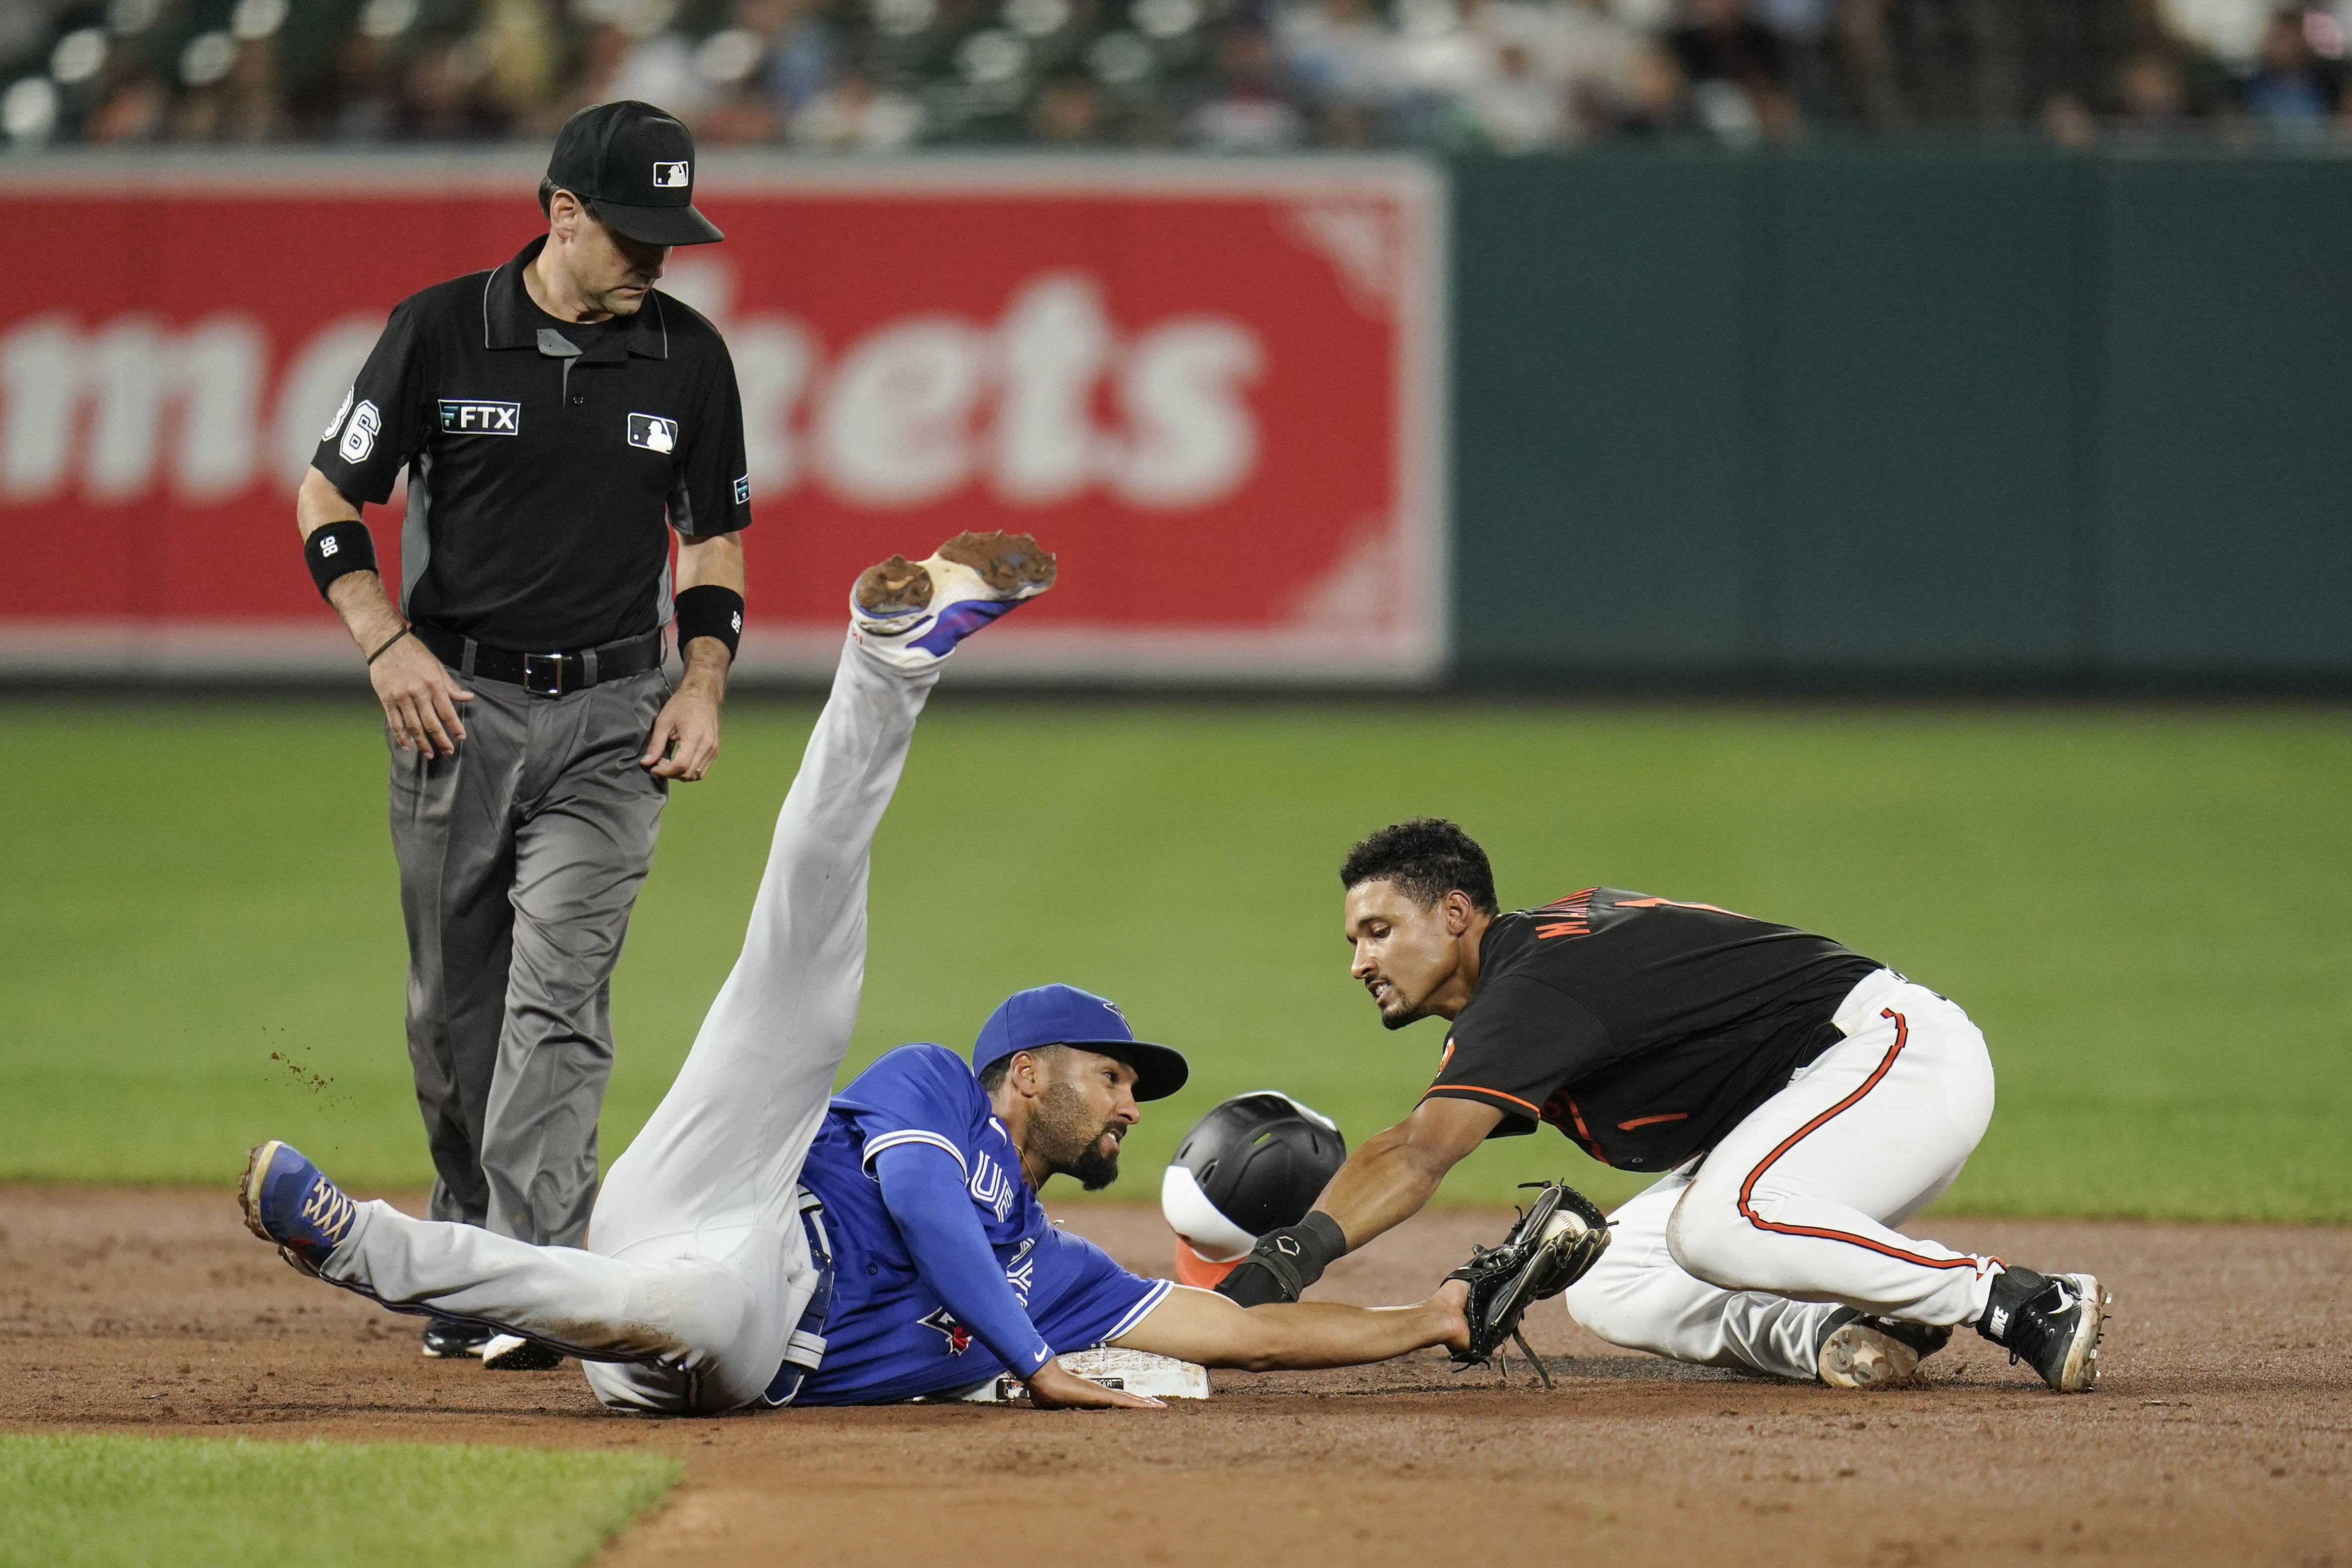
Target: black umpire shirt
544,457
1642,1027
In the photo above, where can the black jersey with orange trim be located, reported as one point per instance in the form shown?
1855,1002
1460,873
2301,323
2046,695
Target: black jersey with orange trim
1643,1027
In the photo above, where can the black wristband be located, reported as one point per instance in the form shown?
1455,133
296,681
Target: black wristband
710,611
1285,1262
336,548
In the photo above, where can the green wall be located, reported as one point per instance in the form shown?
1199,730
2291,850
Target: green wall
1861,415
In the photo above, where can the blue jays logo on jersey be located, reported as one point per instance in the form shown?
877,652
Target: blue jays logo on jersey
992,1188
959,1337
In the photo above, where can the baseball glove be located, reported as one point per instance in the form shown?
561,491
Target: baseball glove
1558,1238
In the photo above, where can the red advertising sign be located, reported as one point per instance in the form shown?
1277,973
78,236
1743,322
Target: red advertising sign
1211,388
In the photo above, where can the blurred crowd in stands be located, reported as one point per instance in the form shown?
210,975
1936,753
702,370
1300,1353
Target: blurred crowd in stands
1218,75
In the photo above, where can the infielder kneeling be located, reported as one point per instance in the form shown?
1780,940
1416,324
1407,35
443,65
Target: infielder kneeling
760,1244
1803,1100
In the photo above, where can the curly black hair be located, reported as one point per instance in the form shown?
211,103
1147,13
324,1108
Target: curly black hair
1428,857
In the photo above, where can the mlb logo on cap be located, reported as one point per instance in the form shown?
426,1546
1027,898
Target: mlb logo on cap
636,163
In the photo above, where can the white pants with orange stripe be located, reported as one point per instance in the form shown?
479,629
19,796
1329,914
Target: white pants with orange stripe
1740,1256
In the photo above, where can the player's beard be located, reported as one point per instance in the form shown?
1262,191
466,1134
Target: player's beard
1403,1013
1066,1133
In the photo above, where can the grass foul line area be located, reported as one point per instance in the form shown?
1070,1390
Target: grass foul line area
93,1501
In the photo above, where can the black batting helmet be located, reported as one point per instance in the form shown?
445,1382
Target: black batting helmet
1255,1164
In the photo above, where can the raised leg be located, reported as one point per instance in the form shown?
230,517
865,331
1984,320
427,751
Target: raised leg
722,1153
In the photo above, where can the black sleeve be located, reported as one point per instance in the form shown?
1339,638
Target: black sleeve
1515,1043
382,422
711,490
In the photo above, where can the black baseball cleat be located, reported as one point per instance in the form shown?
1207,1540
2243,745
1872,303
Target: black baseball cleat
1858,1351
447,1339
2049,1321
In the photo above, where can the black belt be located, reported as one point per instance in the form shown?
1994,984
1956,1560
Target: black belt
543,675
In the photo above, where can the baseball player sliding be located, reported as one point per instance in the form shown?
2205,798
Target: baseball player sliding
760,1244
1803,1100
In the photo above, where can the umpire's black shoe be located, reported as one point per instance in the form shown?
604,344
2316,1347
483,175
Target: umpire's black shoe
1858,1351
447,1339
2051,1322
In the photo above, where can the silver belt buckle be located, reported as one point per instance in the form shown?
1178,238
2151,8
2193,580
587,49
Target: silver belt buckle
547,667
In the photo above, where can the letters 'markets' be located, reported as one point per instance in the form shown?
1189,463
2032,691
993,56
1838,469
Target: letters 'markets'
1051,402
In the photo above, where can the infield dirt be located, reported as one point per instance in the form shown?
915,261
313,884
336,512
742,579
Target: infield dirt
2221,1432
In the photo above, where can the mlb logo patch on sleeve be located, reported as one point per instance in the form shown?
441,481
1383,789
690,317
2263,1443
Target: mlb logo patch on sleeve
651,432
671,176
470,417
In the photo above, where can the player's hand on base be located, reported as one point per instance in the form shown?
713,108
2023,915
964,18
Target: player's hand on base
420,698
1051,1388
685,738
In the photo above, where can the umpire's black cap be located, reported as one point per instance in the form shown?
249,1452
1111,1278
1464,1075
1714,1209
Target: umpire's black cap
636,165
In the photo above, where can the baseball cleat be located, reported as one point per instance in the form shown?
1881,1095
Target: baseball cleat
447,1339
2049,1321
512,1352
1858,1351
913,613
288,1200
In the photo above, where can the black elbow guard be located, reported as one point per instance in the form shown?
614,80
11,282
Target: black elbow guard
1285,1262
710,611
335,549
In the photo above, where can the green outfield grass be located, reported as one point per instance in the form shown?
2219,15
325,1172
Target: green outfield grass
2149,911
81,1502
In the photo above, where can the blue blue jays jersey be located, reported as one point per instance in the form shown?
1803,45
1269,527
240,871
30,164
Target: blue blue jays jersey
888,1337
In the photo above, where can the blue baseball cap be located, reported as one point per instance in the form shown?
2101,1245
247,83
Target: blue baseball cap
1065,1015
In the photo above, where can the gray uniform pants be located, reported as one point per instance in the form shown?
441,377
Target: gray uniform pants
519,858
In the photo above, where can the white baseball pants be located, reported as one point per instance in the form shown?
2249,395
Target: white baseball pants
1738,1258
696,1268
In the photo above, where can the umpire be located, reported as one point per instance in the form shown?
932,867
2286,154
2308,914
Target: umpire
553,414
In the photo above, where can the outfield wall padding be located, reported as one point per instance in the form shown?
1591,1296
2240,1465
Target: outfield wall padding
1861,415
